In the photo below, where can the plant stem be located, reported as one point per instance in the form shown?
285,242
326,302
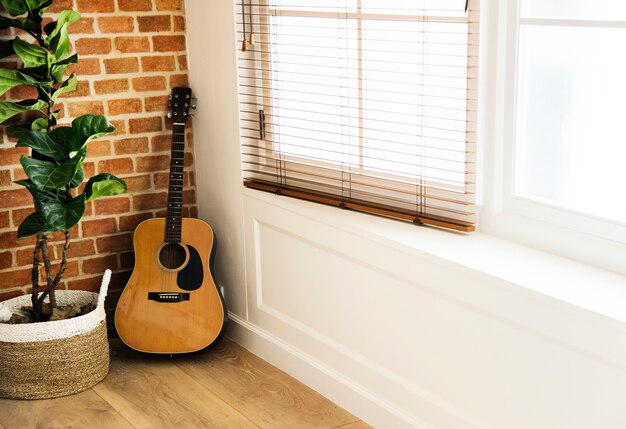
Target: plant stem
35,279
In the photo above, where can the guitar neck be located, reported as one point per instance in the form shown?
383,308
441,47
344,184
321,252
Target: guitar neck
173,220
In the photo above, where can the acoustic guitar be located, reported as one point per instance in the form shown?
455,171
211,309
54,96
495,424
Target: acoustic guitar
171,303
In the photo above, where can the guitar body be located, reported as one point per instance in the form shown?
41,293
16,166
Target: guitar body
171,303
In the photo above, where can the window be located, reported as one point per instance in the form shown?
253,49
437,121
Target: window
364,104
554,174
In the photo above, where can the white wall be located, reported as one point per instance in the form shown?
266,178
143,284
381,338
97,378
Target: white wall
389,320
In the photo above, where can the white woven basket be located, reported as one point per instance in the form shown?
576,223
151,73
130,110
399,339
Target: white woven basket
57,329
57,358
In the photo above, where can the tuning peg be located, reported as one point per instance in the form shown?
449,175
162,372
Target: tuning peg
169,115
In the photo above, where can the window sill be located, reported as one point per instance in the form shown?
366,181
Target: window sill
573,302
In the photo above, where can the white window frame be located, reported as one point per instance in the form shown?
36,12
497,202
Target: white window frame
585,238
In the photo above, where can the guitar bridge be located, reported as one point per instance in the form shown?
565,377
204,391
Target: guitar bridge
168,296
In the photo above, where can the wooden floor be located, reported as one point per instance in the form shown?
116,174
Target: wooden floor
227,387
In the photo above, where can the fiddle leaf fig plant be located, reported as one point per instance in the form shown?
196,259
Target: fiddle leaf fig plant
55,168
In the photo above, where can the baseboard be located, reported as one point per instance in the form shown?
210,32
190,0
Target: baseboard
328,382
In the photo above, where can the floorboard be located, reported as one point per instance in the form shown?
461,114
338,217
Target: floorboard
226,387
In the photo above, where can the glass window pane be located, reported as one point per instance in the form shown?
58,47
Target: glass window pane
572,140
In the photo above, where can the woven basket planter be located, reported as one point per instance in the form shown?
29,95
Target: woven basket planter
57,358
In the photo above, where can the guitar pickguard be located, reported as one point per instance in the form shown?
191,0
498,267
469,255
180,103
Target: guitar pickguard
192,275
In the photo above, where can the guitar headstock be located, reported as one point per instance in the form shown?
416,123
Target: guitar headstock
180,103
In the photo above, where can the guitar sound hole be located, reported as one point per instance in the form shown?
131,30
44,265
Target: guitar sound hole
172,256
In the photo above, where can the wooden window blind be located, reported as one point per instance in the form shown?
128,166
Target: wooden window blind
368,105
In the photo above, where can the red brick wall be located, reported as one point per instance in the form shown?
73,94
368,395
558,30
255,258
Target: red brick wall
132,52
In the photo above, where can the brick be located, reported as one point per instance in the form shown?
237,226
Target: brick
78,248
138,183
6,260
18,215
179,80
92,228
60,5
15,278
153,163
124,106
23,92
8,294
150,201
116,166
19,174
169,4
115,243
154,23
116,24
119,280
90,169
111,86
112,205
120,127
161,143
131,146
82,90
16,198
144,125
99,264
132,44
179,23
149,83
93,46
189,196
156,104
182,62
82,26
86,107
5,221
71,269
121,65
188,159
5,177
86,66
158,63
99,148
24,257
129,223
12,155
168,43
97,6
91,284
135,5
193,211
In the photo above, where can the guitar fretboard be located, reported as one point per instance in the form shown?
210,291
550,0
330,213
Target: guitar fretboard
175,192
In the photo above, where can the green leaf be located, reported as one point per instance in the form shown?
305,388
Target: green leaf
39,124
90,127
34,224
25,24
78,178
48,175
61,217
9,109
31,55
60,44
66,17
43,196
42,143
66,138
68,86
104,185
12,78
20,7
